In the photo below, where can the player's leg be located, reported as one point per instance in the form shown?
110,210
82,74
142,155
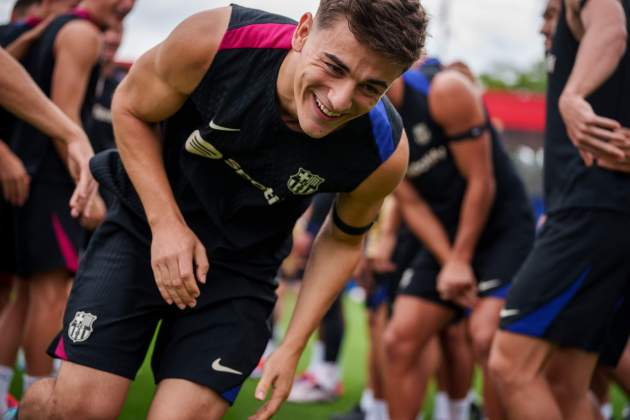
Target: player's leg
483,325
414,322
377,321
600,391
456,370
78,392
621,373
211,348
12,326
110,318
566,293
569,372
185,400
516,362
321,382
47,300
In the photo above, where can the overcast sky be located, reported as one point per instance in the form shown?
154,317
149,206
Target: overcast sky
481,32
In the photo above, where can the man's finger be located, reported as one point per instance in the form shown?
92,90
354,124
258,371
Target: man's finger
185,264
263,385
22,190
83,191
609,136
201,262
160,284
271,407
606,123
614,166
600,148
174,283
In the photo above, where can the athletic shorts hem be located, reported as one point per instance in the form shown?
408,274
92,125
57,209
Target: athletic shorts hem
103,366
228,396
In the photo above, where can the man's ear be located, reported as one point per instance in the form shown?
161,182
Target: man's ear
304,28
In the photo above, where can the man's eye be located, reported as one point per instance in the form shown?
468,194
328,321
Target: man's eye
371,90
335,68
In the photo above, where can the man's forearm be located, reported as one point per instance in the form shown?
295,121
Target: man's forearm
476,205
600,51
141,153
330,265
21,96
427,228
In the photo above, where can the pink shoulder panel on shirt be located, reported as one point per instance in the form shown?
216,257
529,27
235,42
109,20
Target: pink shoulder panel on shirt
262,35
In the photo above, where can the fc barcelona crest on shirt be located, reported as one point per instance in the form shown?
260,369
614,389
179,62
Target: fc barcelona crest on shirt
80,328
304,182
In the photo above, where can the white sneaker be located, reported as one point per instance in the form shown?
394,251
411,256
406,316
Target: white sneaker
306,389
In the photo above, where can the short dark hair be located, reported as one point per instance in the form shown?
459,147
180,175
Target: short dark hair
394,28
20,8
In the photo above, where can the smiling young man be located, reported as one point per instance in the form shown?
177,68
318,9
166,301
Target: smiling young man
257,115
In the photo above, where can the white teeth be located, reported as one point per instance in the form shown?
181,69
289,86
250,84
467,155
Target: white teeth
325,110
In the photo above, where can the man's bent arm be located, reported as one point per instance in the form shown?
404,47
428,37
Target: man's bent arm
457,107
156,87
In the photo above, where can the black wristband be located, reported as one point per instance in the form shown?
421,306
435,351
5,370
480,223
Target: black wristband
345,228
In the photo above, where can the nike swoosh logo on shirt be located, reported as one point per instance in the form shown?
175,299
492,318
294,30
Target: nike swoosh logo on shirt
216,365
221,128
509,312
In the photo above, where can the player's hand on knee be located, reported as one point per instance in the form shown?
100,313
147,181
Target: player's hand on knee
456,281
595,136
278,374
175,250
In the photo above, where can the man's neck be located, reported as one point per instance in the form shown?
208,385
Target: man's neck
284,90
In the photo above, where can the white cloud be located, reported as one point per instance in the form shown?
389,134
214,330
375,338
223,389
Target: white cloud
482,32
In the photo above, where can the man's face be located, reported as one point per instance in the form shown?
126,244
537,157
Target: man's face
336,79
62,6
114,11
550,21
111,42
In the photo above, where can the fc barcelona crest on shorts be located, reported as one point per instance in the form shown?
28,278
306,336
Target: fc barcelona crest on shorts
81,327
304,182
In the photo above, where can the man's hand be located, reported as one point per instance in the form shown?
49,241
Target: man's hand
14,178
78,155
278,373
94,214
594,136
619,165
456,282
175,250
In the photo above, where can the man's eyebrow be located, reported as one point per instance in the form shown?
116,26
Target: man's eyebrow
346,69
338,62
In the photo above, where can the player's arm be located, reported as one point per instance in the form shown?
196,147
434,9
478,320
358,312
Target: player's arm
22,44
156,87
335,254
423,222
601,27
457,106
20,95
381,241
